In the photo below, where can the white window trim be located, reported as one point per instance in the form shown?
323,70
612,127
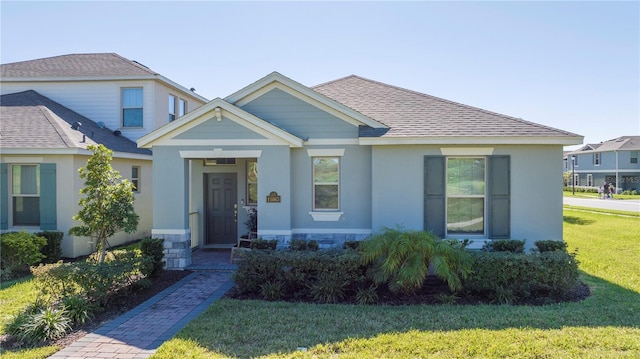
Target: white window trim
589,180
139,178
122,108
326,216
313,191
172,107
597,159
10,209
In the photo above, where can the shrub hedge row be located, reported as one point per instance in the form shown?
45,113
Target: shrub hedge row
339,275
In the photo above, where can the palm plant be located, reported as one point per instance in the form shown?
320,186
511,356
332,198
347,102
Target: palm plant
402,259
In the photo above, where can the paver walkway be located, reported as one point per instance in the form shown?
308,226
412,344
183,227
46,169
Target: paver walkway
139,332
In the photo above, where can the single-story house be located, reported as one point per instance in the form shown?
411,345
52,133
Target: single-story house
341,160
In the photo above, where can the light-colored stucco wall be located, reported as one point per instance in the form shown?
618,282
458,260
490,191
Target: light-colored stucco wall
536,188
68,186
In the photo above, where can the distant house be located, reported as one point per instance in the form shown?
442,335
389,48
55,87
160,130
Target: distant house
51,110
614,161
341,160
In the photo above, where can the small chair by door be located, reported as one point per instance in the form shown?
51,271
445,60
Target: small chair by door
244,244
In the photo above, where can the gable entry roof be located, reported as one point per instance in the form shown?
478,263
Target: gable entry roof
34,123
414,117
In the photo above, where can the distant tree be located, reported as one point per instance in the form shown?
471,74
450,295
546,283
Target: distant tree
107,205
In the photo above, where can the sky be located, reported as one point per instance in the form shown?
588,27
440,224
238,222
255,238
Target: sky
572,65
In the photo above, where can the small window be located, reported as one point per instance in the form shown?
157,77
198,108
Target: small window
132,107
326,183
634,157
575,161
596,159
25,181
252,182
182,108
589,180
219,161
135,178
172,108
576,179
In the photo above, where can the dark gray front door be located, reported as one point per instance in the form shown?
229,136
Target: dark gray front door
221,209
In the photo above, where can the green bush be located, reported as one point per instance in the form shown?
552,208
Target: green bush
19,250
46,325
78,308
97,282
264,244
313,245
298,245
401,259
299,275
550,245
153,248
507,276
505,245
351,245
52,251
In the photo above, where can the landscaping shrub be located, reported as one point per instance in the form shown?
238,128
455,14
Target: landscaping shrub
313,245
299,274
351,245
505,245
97,282
153,249
507,276
78,308
19,250
45,325
298,245
52,250
264,244
550,246
401,259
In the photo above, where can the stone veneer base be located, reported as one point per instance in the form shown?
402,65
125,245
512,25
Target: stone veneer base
177,250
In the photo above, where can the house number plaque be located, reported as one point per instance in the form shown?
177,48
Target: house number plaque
273,197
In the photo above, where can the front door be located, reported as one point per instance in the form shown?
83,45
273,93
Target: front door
221,209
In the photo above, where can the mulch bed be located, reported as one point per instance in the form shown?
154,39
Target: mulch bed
434,290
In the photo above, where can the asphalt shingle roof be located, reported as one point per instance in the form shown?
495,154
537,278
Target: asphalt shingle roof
627,143
76,65
30,120
413,114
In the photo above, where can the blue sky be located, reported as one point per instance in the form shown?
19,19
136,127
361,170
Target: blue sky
569,65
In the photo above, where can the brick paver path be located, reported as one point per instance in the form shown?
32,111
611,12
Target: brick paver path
139,332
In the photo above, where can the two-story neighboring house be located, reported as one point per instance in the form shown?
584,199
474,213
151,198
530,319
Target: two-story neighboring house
614,161
51,110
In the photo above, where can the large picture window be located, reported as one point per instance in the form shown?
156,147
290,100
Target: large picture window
26,195
326,183
465,190
132,107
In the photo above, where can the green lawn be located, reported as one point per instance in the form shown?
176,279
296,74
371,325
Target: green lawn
605,325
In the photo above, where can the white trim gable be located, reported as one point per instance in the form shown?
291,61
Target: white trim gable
219,109
277,81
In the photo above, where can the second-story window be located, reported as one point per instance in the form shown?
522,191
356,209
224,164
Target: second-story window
132,107
634,157
172,108
596,159
182,107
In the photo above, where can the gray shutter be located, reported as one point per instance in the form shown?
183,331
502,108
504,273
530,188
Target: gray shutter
48,212
4,197
499,197
434,195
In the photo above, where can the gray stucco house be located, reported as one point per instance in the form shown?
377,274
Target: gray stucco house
614,161
341,160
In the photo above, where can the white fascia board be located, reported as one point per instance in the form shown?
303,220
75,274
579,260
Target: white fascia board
68,151
78,79
471,140
303,93
218,152
179,87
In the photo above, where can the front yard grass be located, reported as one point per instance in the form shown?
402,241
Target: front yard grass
605,325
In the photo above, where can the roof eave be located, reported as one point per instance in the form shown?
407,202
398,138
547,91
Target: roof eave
473,140
11,151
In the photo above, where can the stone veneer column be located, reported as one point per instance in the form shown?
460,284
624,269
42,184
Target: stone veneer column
177,249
